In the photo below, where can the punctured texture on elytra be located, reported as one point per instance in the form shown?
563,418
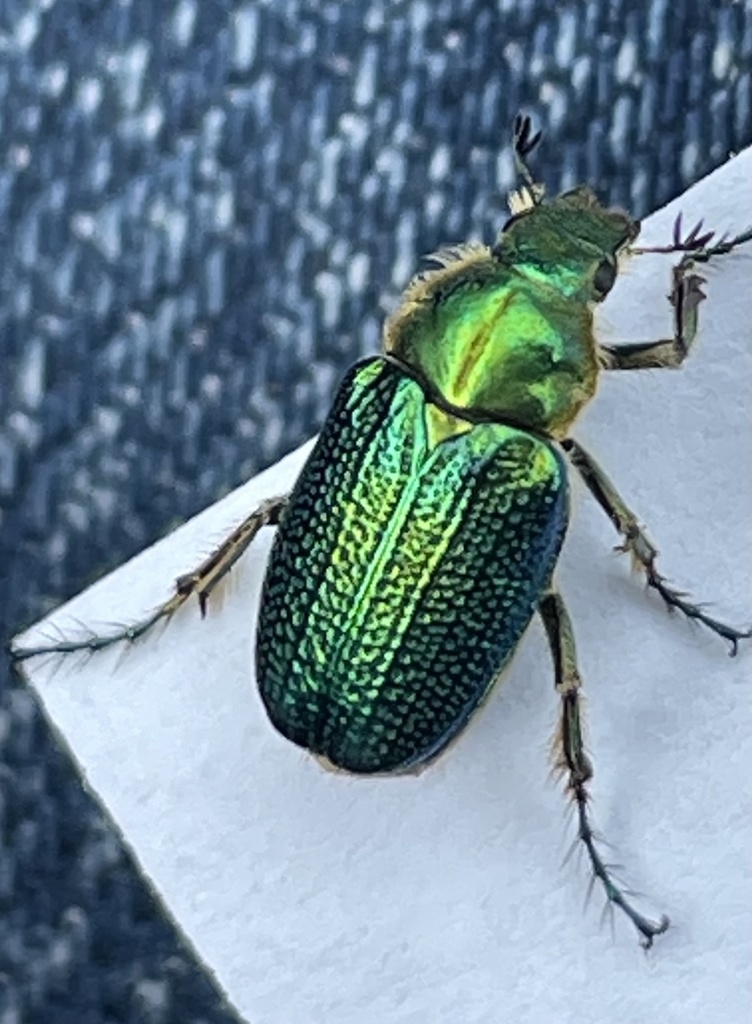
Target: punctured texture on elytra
403,575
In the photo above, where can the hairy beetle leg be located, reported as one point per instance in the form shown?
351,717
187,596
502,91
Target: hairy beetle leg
571,760
199,583
685,297
639,546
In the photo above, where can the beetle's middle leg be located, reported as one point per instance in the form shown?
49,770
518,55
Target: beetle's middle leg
571,760
200,583
638,544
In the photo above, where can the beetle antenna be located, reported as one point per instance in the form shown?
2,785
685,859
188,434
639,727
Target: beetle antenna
524,141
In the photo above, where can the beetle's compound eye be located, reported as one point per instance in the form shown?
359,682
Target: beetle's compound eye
604,277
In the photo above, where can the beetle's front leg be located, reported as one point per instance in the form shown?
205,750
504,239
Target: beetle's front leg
639,546
685,297
571,760
200,584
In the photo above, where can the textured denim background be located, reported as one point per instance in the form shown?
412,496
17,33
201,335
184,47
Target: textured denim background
206,208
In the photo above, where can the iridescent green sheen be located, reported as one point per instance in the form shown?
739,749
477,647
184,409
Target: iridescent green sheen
507,331
426,524
403,574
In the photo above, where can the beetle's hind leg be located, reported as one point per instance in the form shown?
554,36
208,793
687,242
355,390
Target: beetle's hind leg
571,760
200,583
639,546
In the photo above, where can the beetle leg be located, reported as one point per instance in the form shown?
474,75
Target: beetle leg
571,760
639,546
199,583
685,297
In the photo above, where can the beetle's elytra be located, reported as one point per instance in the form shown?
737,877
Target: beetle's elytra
424,530
424,570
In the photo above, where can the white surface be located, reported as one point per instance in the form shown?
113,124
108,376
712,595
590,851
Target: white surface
317,898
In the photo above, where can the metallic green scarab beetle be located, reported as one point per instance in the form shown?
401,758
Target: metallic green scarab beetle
423,532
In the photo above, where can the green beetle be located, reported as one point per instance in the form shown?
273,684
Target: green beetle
425,527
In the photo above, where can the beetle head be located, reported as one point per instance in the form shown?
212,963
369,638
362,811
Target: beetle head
571,243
